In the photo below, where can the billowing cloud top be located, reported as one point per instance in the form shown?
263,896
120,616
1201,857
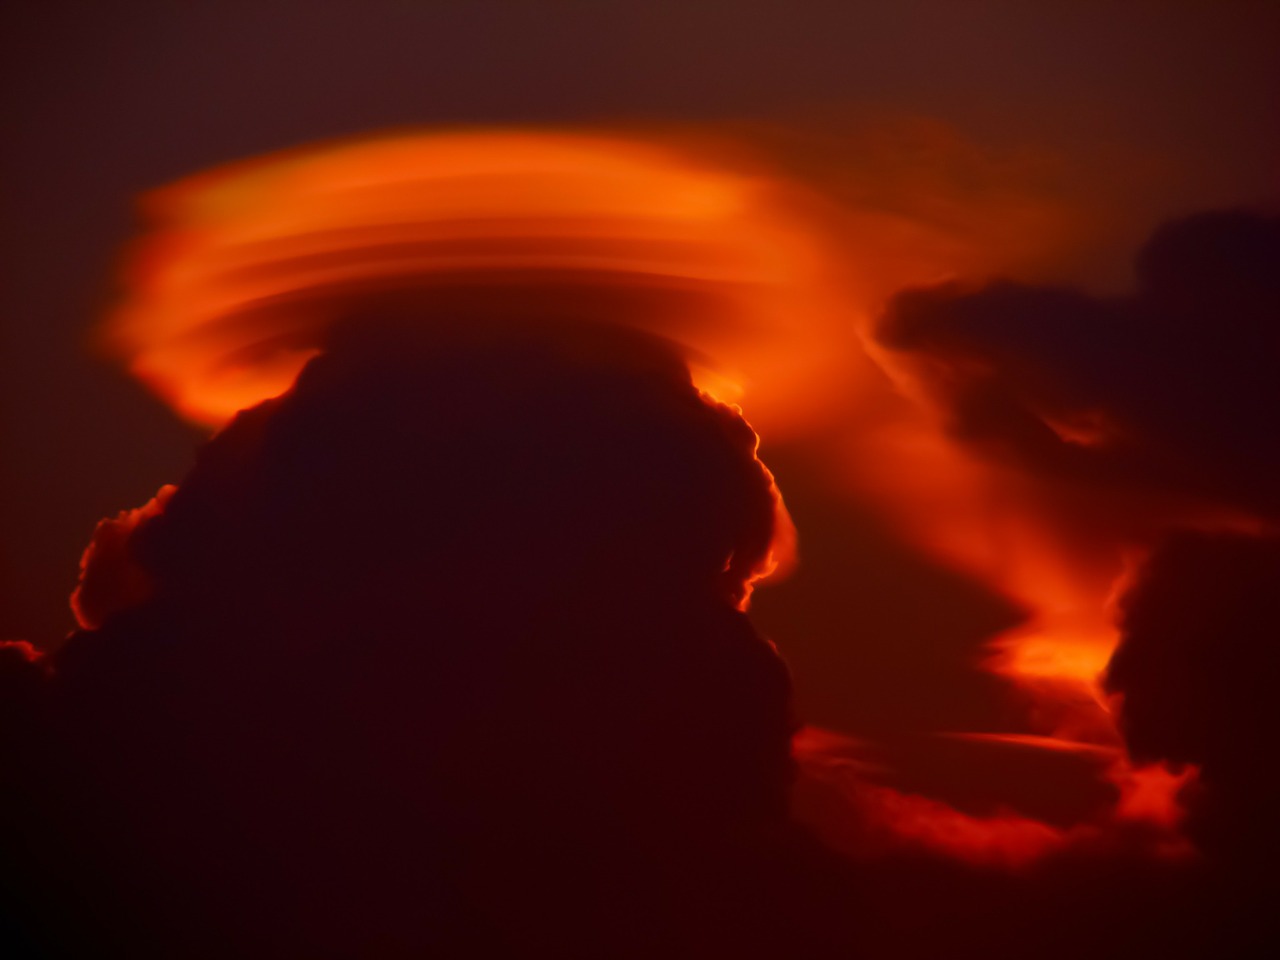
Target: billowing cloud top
462,603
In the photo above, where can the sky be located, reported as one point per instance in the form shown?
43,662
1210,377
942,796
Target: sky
1043,142
1050,138
105,103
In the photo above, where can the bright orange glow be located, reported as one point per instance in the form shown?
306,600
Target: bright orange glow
1150,793
984,519
770,290
1055,744
109,579
249,265
1003,840
976,516
891,819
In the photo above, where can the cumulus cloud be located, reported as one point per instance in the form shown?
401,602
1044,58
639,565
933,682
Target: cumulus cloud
1197,668
452,628
1164,395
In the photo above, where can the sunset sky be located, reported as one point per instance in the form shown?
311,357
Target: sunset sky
979,471
1137,112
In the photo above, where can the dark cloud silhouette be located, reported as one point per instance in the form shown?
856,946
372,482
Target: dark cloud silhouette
1162,397
1196,671
1197,668
444,650
440,649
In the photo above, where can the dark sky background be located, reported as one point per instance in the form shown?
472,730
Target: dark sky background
103,101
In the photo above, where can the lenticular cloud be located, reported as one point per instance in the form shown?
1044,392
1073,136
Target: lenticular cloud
247,266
